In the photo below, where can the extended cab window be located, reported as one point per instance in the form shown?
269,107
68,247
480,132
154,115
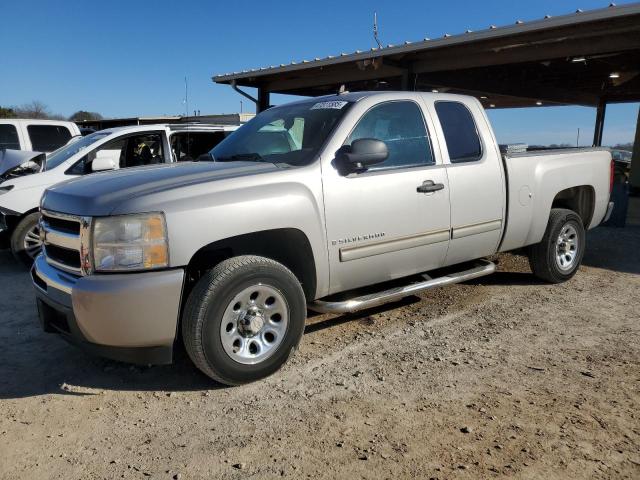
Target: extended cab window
47,138
460,132
401,126
9,137
188,146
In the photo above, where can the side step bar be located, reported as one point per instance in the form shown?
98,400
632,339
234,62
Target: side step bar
482,268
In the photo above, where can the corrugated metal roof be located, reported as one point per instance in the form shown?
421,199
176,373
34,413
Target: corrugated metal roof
492,32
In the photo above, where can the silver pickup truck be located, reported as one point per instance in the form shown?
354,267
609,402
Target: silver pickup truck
334,204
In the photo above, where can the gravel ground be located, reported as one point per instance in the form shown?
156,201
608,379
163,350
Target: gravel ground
500,377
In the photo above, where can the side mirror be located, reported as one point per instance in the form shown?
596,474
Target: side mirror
361,154
105,160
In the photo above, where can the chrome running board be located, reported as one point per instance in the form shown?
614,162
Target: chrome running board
482,268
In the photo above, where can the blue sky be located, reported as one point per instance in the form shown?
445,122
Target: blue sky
124,58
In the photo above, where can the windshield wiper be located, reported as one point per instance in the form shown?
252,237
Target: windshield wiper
239,157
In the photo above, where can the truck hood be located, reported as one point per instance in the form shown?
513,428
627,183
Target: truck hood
100,193
15,163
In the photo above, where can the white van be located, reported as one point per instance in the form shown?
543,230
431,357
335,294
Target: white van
35,135
24,176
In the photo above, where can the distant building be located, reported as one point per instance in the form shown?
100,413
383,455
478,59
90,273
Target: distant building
216,118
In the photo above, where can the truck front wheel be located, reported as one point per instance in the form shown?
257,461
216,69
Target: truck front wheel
243,319
557,257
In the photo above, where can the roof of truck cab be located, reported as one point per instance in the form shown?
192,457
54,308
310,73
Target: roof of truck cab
357,96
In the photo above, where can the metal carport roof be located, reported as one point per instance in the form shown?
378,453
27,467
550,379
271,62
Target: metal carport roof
585,58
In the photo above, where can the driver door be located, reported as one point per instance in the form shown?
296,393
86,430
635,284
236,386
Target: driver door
379,226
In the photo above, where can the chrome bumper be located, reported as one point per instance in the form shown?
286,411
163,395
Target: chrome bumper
135,310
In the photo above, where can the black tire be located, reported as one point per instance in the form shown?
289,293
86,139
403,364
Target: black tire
211,297
20,252
543,257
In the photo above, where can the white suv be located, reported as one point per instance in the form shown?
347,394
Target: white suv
36,135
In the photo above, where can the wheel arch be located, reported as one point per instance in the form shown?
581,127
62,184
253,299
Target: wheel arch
580,199
14,220
288,246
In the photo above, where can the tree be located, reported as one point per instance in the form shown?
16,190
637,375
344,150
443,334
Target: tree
82,115
35,109
7,112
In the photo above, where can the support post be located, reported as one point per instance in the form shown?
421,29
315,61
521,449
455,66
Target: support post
404,83
263,100
600,112
634,177
408,82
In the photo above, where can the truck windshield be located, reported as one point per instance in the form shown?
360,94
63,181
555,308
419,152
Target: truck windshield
291,134
65,153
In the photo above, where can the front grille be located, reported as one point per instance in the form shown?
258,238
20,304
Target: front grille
63,256
63,225
62,237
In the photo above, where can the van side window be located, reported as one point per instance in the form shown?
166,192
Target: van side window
460,132
47,138
401,126
9,137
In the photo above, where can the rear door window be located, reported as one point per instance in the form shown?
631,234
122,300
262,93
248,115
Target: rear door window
9,137
188,146
460,132
47,138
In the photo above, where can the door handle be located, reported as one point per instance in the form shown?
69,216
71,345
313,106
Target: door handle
428,186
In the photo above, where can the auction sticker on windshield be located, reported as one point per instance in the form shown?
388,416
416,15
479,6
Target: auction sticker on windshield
335,105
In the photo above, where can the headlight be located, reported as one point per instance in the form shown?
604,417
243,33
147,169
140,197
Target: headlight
130,242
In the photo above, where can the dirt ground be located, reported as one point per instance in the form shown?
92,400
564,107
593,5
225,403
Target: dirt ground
500,377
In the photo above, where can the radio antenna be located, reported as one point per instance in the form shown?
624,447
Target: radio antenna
375,29
186,97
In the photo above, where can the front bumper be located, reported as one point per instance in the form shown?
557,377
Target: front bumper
128,317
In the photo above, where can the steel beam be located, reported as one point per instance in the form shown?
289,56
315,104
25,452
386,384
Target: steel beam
634,178
600,112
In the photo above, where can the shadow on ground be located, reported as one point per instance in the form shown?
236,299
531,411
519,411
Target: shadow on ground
616,249
35,363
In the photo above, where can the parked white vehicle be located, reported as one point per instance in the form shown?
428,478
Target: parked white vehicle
24,176
36,135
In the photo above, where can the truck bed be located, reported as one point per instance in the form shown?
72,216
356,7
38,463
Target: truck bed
541,179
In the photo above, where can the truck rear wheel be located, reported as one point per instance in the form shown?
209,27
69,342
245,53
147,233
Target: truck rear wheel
557,257
25,239
243,319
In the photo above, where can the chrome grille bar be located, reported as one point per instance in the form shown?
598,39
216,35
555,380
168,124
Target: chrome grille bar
65,241
61,239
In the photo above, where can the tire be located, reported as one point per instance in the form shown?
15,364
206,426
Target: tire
558,256
25,239
235,337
